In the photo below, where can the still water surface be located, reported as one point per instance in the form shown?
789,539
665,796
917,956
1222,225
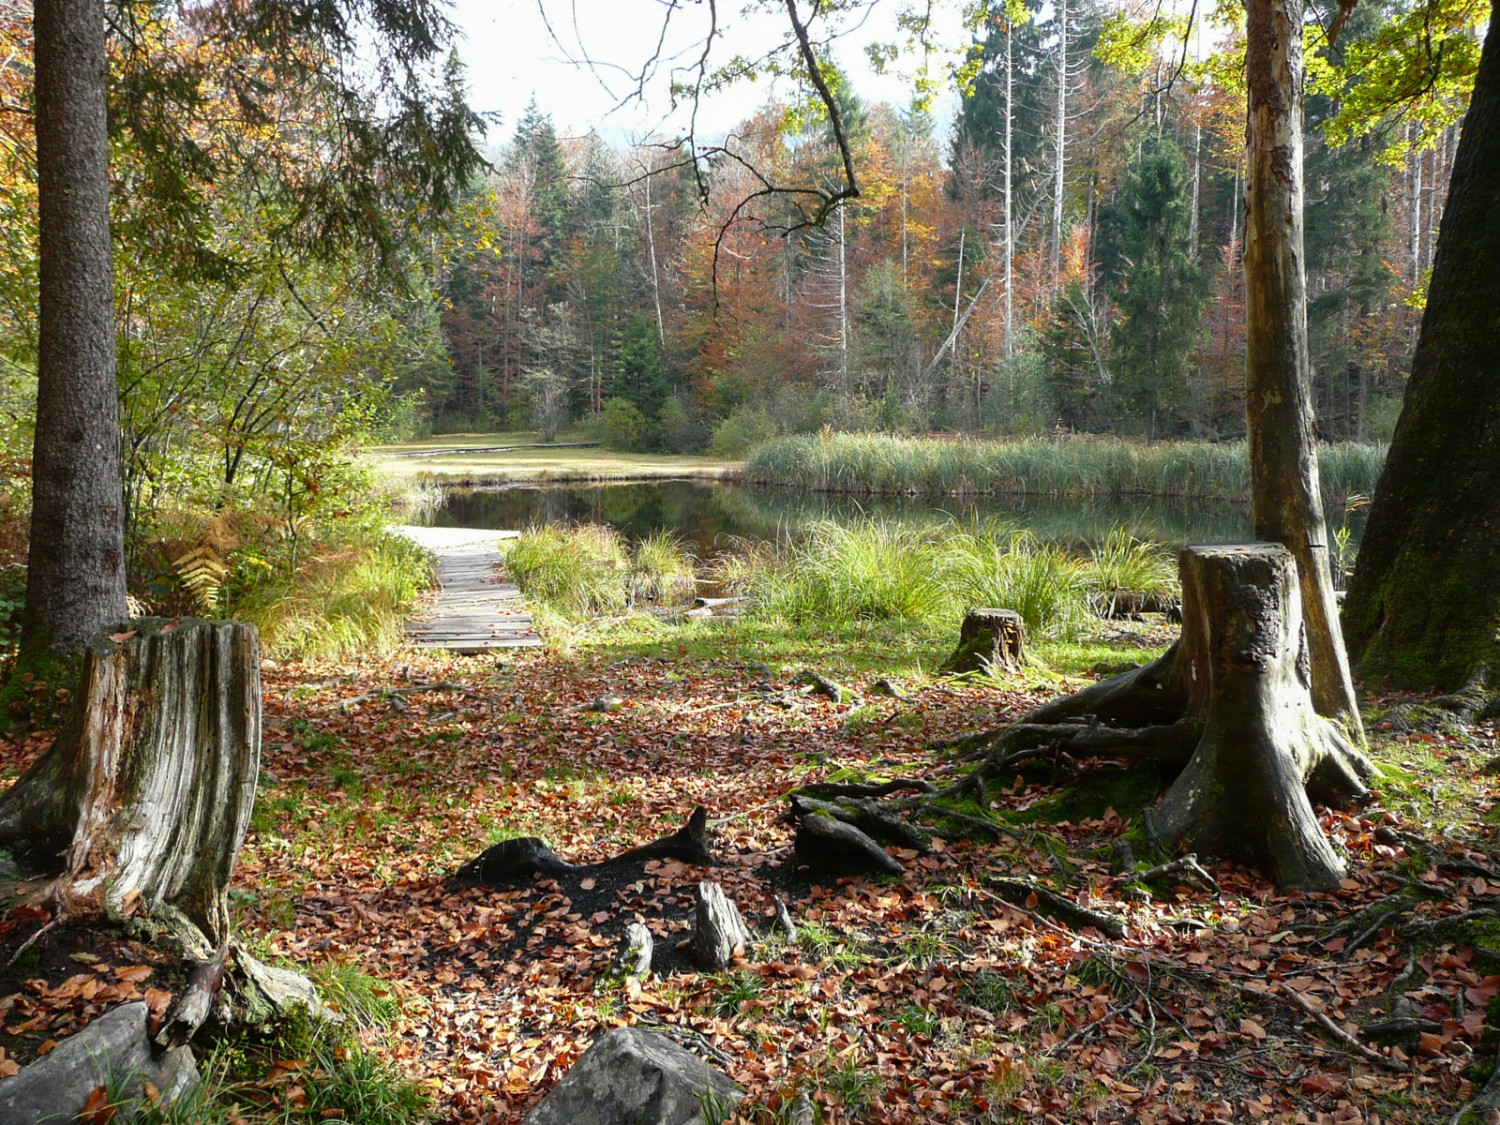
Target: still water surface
709,516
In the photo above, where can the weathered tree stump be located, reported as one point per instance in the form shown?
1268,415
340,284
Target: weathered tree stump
989,639
521,859
142,803
719,931
1230,702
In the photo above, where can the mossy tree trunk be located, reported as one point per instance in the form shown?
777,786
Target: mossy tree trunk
1232,704
1424,604
144,799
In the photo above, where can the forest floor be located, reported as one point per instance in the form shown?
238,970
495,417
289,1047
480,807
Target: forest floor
514,458
920,999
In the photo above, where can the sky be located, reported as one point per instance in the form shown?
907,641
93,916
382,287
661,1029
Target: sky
513,50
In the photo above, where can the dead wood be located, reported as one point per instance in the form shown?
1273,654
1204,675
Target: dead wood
1187,865
881,822
143,800
989,640
822,685
636,948
825,843
1363,1050
1030,895
528,857
719,933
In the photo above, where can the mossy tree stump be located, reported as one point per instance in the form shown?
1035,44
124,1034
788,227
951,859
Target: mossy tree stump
989,639
1232,702
144,799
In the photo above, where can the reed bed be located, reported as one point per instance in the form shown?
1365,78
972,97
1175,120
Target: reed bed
882,464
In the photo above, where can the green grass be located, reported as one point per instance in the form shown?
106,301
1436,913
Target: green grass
591,570
350,597
250,1079
877,569
881,464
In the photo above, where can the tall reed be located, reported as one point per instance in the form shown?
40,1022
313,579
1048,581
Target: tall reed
882,464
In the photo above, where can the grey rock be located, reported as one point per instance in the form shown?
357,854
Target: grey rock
112,1050
634,1077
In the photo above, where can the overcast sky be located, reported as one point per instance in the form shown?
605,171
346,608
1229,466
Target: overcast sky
511,55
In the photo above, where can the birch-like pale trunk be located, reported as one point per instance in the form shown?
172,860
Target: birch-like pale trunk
1060,137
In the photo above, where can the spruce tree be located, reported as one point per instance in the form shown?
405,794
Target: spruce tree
1158,288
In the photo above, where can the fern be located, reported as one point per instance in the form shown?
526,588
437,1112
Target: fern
202,572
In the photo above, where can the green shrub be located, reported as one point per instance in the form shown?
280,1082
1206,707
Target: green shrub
589,569
746,427
622,426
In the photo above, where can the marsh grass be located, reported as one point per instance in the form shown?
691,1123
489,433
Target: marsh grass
588,570
882,464
883,570
345,597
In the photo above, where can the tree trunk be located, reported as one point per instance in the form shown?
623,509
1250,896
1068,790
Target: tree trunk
1244,791
75,578
1424,604
144,799
1285,499
1231,703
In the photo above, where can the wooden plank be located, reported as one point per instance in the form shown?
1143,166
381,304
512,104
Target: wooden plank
474,610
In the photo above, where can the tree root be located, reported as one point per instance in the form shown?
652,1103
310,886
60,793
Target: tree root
1031,895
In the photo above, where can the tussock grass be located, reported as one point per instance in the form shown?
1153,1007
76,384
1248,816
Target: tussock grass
883,570
588,570
882,464
344,598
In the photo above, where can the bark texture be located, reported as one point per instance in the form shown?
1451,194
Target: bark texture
75,579
145,797
1286,503
989,639
719,932
1232,703
1424,604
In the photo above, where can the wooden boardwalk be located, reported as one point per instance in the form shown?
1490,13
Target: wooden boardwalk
474,611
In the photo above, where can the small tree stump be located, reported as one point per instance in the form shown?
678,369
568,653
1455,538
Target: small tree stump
144,799
636,948
989,639
720,931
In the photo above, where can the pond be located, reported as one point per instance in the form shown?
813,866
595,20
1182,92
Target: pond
710,515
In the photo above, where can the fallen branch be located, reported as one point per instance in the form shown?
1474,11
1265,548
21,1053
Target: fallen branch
386,694
1364,1050
1183,865
1033,896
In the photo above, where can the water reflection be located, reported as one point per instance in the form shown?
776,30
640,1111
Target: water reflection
708,516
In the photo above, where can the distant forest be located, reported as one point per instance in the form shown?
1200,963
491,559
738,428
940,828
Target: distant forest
1065,258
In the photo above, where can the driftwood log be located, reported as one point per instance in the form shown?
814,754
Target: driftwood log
142,803
524,858
989,639
719,931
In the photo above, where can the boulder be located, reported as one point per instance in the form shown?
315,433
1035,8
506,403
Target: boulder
112,1050
634,1077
